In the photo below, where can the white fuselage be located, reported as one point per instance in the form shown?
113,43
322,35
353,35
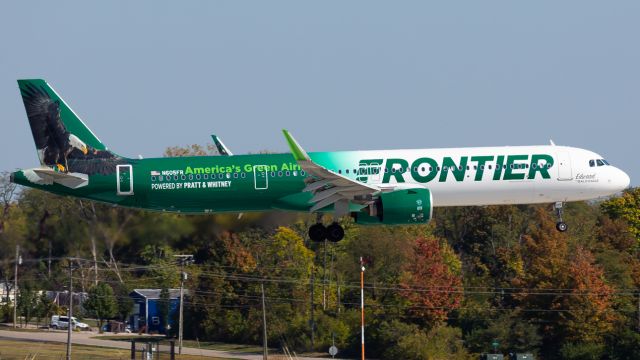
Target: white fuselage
496,175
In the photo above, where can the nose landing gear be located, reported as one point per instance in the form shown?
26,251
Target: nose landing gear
560,225
318,232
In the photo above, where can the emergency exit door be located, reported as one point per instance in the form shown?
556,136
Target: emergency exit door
124,175
260,177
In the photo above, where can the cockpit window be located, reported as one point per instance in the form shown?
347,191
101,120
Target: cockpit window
592,163
605,162
599,162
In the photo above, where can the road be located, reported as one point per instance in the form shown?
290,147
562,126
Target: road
88,338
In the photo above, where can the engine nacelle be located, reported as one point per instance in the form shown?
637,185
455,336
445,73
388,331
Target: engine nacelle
399,207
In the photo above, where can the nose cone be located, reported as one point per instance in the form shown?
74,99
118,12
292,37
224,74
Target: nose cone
620,180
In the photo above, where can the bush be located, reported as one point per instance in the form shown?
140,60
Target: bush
582,351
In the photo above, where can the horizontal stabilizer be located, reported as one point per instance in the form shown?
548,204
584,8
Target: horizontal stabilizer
47,176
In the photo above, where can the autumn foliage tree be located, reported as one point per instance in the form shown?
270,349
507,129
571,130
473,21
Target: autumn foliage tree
432,280
589,316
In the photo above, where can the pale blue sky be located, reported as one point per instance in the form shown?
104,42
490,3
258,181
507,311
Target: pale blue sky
340,75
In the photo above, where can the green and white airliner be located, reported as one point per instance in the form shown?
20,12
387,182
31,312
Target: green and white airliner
373,187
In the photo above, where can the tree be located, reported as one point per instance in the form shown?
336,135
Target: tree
626,207
432,280
590,316
101,303
27,302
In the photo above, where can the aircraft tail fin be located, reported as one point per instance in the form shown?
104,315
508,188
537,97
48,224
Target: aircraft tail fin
62,139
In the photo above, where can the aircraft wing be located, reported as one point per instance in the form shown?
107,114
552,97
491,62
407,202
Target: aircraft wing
48,176
328,187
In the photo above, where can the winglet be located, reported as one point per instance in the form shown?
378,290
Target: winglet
222,149
298,153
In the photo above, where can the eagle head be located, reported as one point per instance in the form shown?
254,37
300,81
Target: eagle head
78,144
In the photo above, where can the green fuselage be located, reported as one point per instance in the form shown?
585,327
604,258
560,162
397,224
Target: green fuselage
197,184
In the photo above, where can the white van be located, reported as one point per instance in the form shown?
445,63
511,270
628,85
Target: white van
62,322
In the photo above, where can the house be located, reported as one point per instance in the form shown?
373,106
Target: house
146,310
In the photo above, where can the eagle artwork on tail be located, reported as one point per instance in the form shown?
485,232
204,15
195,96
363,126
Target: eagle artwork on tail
58,147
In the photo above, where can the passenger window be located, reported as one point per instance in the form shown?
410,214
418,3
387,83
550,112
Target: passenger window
302,173
184,177
243,175
190,176
205,176
228,176
489,166
279,173
481,167
153,178
175,177
198,177
534,165
339,171
235,175
287,173
295,173
599,162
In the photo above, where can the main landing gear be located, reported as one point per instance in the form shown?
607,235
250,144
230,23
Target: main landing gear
318,232
560,225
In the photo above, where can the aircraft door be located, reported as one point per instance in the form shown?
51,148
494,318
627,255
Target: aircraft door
124,176
564,166
260,177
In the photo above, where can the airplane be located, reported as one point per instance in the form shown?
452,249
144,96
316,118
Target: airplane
373,187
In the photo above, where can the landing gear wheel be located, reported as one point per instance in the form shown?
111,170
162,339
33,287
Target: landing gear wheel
317,232
562,226
335,232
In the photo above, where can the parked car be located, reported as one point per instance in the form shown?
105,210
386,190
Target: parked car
116,327
62,322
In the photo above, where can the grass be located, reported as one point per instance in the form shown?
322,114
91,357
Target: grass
207,345
37,350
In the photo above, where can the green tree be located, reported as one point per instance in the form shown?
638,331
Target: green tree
626,207
101,303
27,302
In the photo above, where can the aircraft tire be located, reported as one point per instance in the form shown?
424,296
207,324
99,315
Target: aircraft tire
317,232
335,232
562,226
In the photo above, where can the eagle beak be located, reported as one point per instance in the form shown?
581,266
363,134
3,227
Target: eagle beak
85,150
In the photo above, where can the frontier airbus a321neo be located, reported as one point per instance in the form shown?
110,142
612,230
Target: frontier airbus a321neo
374,187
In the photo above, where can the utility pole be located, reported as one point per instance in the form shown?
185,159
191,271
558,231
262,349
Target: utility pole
183,259
312,321
265,354
15,287
324,277
362,303
69,322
